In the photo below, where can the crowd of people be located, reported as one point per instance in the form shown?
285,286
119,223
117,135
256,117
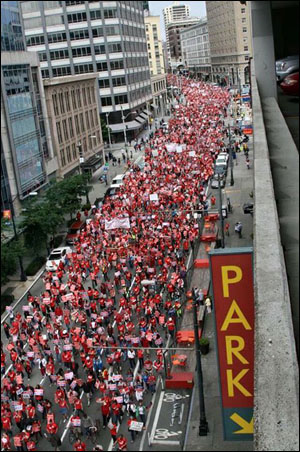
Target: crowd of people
97,330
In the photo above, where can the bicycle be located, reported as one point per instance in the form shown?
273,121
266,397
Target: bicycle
92,434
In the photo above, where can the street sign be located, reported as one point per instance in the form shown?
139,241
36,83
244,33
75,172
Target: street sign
232,282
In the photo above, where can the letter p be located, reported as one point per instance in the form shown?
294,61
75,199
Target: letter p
226,280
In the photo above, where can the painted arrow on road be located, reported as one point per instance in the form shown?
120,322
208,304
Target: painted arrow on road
247,427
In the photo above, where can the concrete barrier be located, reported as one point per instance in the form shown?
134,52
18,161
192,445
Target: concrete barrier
276,374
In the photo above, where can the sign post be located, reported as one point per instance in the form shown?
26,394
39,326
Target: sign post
232,282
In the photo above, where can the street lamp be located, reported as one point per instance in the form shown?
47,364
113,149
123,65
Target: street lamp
203,426
162,110
81,158
123,119
230,158
23,276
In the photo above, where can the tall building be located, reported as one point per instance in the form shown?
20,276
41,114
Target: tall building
25,134
173,32
156,62
174,13
11,28
195,49
108,38
229,29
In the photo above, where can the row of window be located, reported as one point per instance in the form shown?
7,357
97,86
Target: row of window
84,96
116,81
83,122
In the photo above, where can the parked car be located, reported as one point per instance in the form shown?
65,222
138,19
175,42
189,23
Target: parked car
286,66
215,181
248,207
74,230
224,155
222,159
56,256
221,167
290,84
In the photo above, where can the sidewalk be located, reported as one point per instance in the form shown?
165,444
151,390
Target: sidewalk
238,193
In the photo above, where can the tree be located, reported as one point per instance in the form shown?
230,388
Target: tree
41,219
10,251
67,193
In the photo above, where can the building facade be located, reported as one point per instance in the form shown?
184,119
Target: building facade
229,28
73,112
173,32
156,63
25,134
11,28
174,13
77,37
195,49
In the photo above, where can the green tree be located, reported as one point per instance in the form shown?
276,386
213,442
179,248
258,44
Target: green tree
67,193
10,251
41,220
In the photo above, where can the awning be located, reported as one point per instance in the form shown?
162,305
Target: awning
140,119
130,125
143,115
147,112
93,163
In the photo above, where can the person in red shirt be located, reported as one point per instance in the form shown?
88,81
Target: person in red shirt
31,445
79,445
132,432
113,431
19,441
52,427
171,327
121,442
5,442
6,424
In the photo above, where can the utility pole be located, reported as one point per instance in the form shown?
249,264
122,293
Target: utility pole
23,276
220,213
108,129
203,426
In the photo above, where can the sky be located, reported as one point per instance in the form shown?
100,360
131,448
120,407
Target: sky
197,9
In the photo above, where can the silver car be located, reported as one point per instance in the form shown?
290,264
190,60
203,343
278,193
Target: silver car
286,66
215,181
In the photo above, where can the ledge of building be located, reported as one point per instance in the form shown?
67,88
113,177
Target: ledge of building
276,374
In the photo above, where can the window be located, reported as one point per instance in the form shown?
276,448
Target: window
74,151
243,10
77,125
81,122
245,48
64,70
55,104
78,94
62,157
97,32
92,118
112,30
81,51
73,100
121,99
66,135
84,145
244,29
119,81
89,95
114,47
76,17
106,101
45,73
71,128
59,54
99,49
93,94
246,58
96,116
110,13
57,37
83,68
117,64
87,120
95,14
59,135
43,56
69,158
35,40
67,101
243,20
61,102
103,83
84,96
102,66
79,34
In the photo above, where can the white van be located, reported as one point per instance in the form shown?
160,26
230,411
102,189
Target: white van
118,180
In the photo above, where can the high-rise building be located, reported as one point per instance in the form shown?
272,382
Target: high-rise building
108,38
25,135
195,49
173,32
229,29
156,62
174,13
11,28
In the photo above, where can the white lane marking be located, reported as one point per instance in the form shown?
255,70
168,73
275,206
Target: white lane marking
157,416
69,421
149,416
170,443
